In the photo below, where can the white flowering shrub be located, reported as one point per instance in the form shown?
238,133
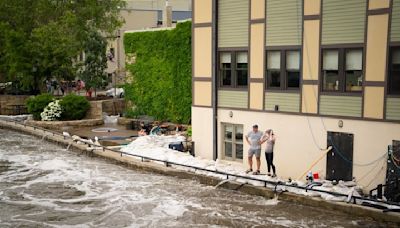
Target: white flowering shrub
52,111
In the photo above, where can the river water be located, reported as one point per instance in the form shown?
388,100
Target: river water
43,185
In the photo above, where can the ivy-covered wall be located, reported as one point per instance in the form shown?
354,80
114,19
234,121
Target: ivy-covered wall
161,75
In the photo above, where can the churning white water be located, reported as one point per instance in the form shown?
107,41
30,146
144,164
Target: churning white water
44,185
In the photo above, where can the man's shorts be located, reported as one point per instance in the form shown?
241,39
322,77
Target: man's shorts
256,152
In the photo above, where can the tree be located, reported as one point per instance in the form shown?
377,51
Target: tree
93,70
42,38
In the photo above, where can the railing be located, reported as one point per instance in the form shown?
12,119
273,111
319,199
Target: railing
275,184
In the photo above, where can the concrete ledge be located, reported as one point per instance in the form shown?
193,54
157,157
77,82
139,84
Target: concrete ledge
393,219
125,121
57,125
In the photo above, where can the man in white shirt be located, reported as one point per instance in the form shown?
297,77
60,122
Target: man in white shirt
253,138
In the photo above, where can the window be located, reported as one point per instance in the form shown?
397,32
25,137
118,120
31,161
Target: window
283,69
342,70
330,70
241,68
394,71
233,69
233,141
274,69
353,70
293,69
226,71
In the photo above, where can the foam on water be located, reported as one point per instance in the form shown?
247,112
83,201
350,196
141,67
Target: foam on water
49,186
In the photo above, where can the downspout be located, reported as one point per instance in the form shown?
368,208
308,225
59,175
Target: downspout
214,77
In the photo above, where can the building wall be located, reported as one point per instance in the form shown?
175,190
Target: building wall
202,85
233,99
179,5
202,135
305,115
286,102
295,146
134,20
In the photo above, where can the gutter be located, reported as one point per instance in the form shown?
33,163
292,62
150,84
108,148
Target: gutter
214,78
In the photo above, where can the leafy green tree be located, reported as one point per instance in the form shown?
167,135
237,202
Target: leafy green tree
93,70
42,38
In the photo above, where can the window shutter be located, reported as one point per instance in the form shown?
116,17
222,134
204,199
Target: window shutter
241,57
293,60
330,60
274,60
354,60
225,57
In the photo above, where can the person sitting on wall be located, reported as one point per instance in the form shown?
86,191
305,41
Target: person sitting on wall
253,138
144,129
269,137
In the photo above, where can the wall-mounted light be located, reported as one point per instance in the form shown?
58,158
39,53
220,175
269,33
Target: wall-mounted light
230,114
340,123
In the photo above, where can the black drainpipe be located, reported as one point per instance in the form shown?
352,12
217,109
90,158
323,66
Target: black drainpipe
214,77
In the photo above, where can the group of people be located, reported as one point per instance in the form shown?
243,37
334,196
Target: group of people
67,86
255,139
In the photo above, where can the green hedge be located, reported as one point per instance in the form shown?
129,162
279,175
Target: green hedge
37,104
74,107
162,72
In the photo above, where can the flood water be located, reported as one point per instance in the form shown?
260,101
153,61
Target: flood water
43,185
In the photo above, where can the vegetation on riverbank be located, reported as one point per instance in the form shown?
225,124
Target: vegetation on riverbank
161,73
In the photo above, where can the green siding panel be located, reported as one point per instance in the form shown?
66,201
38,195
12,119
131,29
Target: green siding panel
284,22
233,23
393,108
232,99
343,21
287,102
340,105
395,26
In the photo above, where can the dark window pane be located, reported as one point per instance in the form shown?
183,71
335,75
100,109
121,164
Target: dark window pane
228,149
242,65
241,77
226,65
293,79
239,134
228,133
395,82
353,80
274,78
226,77
239,151
331,80
394,74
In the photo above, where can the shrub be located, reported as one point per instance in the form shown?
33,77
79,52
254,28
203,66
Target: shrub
52,111
37,104
74,107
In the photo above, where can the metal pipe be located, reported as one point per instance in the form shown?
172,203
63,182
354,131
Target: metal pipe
214,79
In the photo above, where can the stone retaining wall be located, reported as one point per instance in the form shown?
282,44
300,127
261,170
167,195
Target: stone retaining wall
58,125
7,100
111,107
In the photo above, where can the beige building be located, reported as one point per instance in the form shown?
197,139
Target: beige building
318,72
140,15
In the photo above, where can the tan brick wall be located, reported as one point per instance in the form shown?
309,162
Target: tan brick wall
7,100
